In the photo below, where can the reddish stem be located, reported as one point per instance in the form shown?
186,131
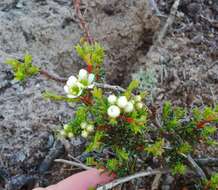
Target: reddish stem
201,124
86,100
83,24
127,119
89,68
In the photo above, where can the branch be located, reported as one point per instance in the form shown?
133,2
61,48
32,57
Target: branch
52,77
169,21
156,181
195,166
72,163
129,178
82,22
110,87
165,28
207,161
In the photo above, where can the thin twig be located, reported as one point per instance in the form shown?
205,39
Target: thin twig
76,164
167,25
156,181
169,21
52,77
75,159
207,161
129,178
196,167
83,24
110,87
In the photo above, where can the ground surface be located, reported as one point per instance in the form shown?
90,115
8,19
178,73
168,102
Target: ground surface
186,61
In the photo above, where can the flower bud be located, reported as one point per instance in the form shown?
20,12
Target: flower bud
113,111
139,105
84,134
70,135
83,74
90,128
122,101
138,98
83,125
129,107
112,99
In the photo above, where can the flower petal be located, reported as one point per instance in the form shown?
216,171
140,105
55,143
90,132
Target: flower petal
91,78
71,81
83,74
66,89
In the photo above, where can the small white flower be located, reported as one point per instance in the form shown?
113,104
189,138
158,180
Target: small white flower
138,98
70,135
122,101
73,91
113,111
87,82
83,125
129,107
84,134
83,74
139,105
112,99
90,128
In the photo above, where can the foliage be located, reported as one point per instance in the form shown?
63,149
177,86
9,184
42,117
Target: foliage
212,184
179,168
23,69
120,125
92,55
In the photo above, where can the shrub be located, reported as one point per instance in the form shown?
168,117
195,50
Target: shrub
120,127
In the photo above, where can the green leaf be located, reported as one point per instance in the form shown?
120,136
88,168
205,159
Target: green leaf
179,168
96,142
33,70
14,63
156,149
133,85
122,154
113,164
23,70
97,93
208,131
167,110
184,148
90,161
55,97
214,181
27,59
